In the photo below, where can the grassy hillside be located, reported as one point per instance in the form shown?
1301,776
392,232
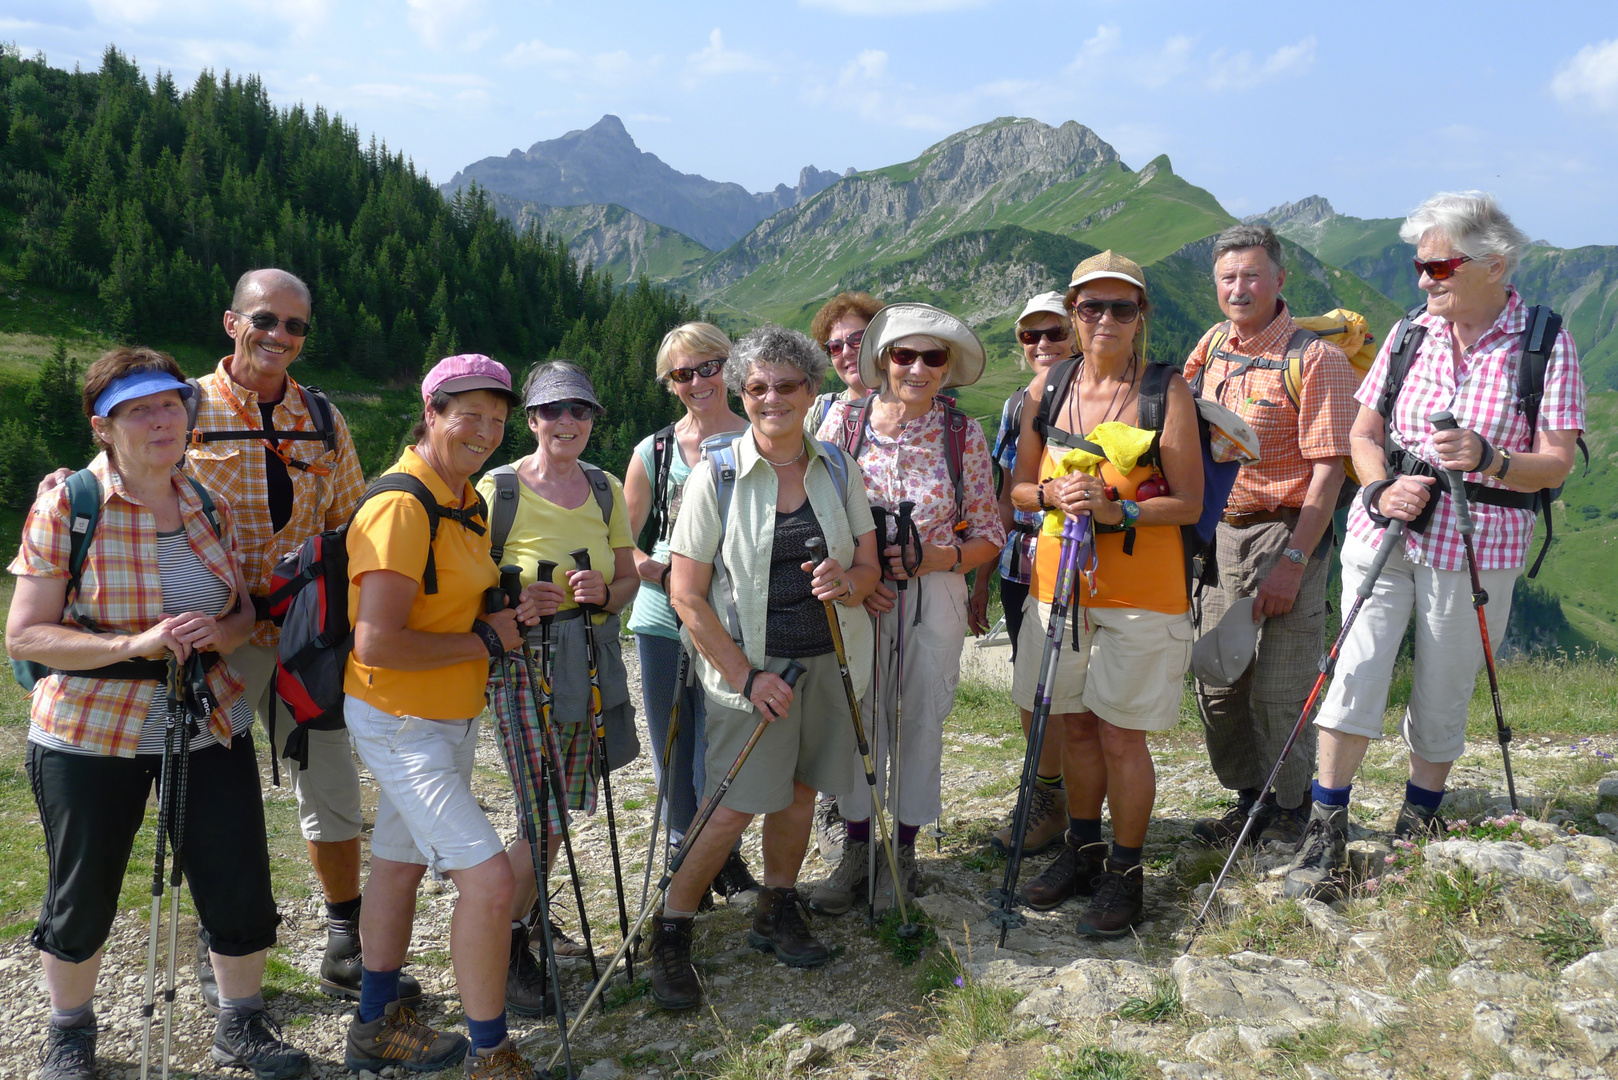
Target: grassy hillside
1582,561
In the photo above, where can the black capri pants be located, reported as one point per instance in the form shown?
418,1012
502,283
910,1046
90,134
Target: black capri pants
92,806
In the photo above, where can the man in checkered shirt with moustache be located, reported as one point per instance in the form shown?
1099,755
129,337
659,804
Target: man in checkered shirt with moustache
1466,363
1274,542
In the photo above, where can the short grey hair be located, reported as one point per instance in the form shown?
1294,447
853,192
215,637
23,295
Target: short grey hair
772,344
1472,221
1244,236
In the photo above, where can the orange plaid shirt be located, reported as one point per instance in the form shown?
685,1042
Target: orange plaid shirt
119,590
1290,440
235,471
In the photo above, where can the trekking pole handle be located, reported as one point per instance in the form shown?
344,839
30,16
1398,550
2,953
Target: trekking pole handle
907,529
1445,421
879,514
545,570
817,549
581,561
791,675
511,584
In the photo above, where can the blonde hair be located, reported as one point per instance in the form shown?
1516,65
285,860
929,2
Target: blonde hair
696,340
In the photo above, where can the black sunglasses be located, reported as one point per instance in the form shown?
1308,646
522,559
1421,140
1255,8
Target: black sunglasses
266,320
1090,311
707,369
1050,333
552,411
903,357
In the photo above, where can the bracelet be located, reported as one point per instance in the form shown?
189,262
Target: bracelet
491,638
747,687
1505,465
956,565
1485,456
663,578
1043,505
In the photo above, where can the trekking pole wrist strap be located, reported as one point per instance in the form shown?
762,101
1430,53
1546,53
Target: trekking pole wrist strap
747,687
491,638
1371,494
1485,455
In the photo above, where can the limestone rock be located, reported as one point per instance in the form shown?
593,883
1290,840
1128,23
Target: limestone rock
1537,1063
804,1055
1368,859
1366,1065
838,1038
1187,1070
1087,989
604,1069
1214,1045
783,1034
1011,974
1332,926
1426,981
1609,927
1133,1038
1596,1022
1255,989
1257,1040
1509,858
1493,1025
1590,847
1597,971
1365,949
950,911
1607,795
1483,982
1315,1072
1608,822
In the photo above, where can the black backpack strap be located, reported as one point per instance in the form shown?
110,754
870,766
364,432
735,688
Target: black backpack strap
505,510
1538,342
601,488
320,410
1058,382
664,446
400,481
955,431
1407,337
84,504
1152,405
209,511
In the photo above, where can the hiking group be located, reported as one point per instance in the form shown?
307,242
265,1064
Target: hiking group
800,606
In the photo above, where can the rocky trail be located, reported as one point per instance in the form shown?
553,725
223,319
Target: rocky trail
1492,954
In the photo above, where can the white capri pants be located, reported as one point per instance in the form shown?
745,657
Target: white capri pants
932,669
1448,650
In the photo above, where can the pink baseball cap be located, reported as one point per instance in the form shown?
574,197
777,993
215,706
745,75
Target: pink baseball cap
469,371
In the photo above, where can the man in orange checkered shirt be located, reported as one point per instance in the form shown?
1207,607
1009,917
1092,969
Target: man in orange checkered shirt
1274,543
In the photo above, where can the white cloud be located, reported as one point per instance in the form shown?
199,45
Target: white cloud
537,52
614,69
716,60
435,21
892,7
1239,72
1590,78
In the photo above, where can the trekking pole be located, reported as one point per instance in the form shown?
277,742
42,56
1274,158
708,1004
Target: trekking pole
1445,421
530,802
817,555
879,721
552,751
907,531
681,672
581,561
1390,540
793,671
1075,534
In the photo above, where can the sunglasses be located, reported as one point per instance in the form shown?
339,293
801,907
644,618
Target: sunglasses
707,369
265,320
1440,269
903,357
1090,311
552,411
1050,333
851,343
760,390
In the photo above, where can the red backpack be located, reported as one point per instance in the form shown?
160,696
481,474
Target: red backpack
851,437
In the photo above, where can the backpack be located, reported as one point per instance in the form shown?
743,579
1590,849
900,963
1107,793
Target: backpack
504,511
1538,341
720,452
316,631
956,424
314,399
84,500
1218,477
1341,327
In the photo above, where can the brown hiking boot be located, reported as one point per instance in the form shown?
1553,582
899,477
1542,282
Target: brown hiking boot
1071,873
1047,821
526,991
837,894
398,1038
1321,861
1221,831
498,1063
1284,828
674,979
779,927
1417,823
1119,902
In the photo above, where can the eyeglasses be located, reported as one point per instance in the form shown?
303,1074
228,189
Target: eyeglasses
851,343
760,390
1050,333
1090,311
707,369
933,358
1441,269
552,411
266,320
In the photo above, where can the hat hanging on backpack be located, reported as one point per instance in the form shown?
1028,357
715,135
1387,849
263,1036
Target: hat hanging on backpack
897,321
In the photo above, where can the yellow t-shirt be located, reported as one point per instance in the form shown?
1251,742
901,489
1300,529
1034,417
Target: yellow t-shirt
543,530
390,533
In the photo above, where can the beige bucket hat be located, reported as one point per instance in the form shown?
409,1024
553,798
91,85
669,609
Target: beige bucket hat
1221,655
896,321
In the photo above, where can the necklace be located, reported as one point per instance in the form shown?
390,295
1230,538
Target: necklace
793,460
1107,414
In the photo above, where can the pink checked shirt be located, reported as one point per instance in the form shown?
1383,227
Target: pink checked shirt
914,467
1481,392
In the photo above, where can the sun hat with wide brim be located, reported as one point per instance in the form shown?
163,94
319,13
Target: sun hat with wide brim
898,321
1223,654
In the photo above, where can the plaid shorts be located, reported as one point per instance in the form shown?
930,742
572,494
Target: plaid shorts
573,746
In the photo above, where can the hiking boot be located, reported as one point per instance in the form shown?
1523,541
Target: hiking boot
674,979
526,992
1047,822
1071,873
1418,823
837,894
1118,903
342,963
1285,828
566,948
905,856
206,982
734,877
1220,831
69,1053
779,927
830,830
498,1063
1316,869
398,1039
250,1039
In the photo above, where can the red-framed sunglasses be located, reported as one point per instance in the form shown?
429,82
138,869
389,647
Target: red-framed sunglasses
1441,269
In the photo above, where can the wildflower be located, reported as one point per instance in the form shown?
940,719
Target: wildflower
1390,859
959,981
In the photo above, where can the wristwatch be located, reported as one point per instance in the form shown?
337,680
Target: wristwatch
1295,555
1131,510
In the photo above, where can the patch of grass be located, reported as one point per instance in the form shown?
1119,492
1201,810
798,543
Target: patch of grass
621,993
1279,929
634,804
972,1013
1569,937
1163,1004
1457,896
906,949
438,958
942,971
1095,1063
281,977
1314,1045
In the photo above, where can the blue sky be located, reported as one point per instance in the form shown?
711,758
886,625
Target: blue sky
1374,105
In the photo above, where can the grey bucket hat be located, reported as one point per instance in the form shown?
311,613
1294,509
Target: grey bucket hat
1221,655
896,321
561,384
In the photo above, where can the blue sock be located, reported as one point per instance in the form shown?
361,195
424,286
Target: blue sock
486,1033
1331,796
1420,796
377,988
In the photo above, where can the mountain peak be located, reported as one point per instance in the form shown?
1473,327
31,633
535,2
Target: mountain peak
1311,211
608,132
